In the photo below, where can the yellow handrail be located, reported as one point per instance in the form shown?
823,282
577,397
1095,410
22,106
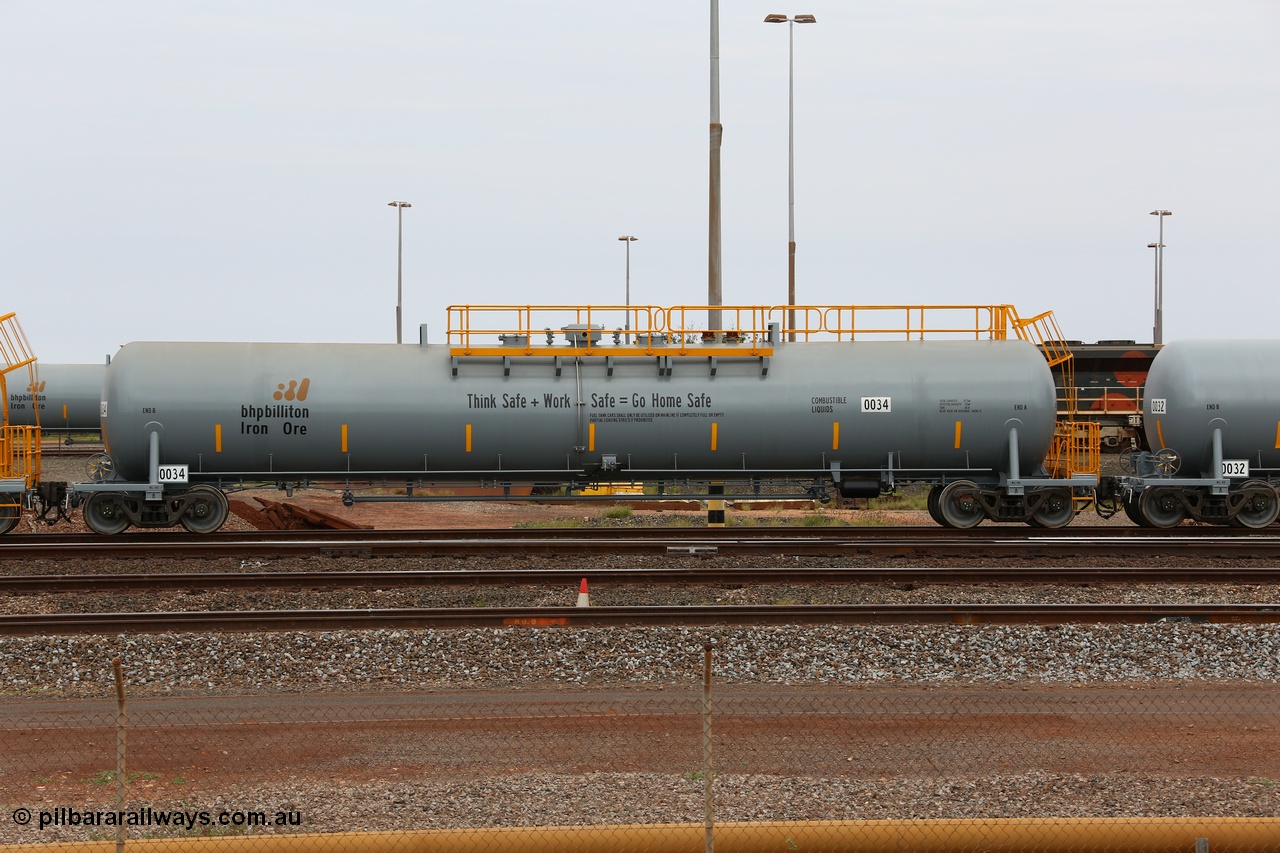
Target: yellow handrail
518,329
19,445
15,352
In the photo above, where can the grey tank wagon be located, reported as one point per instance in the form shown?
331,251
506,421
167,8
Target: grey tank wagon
1212,418
185,422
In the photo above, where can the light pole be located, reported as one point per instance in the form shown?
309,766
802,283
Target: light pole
1157,333
714,273
399,206
1155,329
628,240
791,157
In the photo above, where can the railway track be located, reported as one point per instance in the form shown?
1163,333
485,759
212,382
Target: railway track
584,617
994,541
692,576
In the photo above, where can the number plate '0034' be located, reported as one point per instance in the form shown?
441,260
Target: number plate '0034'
172,474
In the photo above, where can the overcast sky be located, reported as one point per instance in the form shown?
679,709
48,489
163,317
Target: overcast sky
221,171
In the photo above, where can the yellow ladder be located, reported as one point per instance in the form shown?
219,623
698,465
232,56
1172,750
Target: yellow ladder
19,445
1077,445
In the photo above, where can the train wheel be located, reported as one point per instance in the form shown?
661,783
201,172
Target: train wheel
1133,509
103,513
1260,507
206,509
10,512
935,511
1057,510
959,506
1163,507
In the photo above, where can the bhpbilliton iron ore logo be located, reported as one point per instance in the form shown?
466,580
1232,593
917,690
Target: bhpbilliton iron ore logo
295,390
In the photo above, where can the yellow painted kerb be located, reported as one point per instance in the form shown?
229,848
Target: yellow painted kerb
1045,835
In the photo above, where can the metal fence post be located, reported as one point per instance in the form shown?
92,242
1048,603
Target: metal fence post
121,719
709,819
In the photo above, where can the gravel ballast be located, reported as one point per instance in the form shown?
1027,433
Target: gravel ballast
169,664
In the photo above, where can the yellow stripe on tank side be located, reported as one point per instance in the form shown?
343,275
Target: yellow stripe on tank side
217,438
591,436
958,430
468,438
344,438
715,434
835,436
1160,435
1278,434
64,411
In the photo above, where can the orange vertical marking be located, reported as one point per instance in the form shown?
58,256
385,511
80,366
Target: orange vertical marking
217,438
958,429
835,436
64,411
344,438
715,433
468,438
591,436
1278,434
1160,435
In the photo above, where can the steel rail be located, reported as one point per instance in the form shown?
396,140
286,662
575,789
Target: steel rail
691,576
1005,531
829,542
583,617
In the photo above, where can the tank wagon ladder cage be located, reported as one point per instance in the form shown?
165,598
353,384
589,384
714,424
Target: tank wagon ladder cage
19,444
1077,445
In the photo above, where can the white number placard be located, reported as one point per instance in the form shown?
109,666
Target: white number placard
1157,405
1235,467
173,474
877,404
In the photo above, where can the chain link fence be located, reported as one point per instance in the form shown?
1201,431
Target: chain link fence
691,765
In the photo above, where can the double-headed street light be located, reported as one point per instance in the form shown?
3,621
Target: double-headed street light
791,159
628,239
1157,333
400,206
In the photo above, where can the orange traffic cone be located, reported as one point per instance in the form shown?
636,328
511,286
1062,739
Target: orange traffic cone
584,600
